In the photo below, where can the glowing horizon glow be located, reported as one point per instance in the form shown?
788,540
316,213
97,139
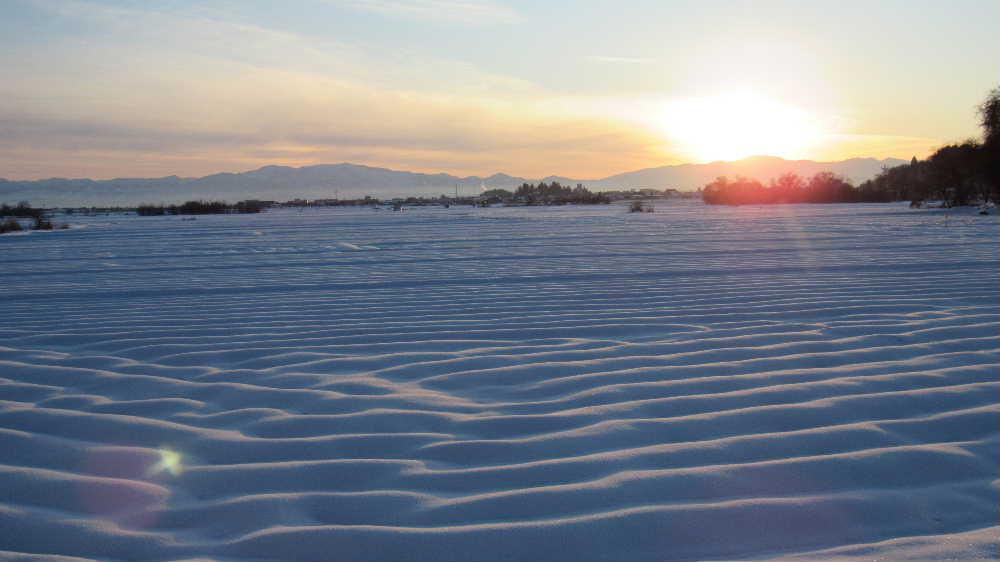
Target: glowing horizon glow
123,89
735,126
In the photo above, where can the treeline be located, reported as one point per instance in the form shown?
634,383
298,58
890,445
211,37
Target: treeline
201,208
553,194
824,187
9,216
956,174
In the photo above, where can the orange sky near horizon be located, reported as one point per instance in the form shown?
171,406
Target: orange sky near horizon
113,88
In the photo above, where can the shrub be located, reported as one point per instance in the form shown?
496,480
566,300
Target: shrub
10,225
42,223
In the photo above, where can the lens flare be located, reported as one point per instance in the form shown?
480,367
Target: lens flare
170,462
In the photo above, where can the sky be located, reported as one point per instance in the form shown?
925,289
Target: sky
581,88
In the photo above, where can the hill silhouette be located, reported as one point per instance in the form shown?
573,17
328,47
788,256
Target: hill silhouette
355,180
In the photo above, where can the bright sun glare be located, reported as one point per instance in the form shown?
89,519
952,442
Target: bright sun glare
734,126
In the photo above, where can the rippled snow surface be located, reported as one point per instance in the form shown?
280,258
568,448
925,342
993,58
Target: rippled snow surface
573,383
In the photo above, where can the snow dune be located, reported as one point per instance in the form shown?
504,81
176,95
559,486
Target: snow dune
802,382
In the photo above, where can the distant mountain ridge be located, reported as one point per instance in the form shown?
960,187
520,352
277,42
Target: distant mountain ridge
355,180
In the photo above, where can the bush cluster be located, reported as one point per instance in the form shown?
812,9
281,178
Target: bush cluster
557,194
23,210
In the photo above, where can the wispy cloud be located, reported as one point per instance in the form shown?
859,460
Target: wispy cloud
465,11
621,60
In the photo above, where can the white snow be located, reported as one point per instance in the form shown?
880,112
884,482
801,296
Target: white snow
573,383
354,247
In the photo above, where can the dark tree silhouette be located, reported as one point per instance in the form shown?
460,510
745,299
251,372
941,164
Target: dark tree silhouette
954,172
827,187
989,112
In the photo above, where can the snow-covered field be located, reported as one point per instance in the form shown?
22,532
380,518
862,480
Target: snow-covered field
503,384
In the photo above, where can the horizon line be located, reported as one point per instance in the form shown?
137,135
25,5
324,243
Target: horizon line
479,176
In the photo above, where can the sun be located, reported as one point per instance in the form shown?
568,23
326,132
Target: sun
735,126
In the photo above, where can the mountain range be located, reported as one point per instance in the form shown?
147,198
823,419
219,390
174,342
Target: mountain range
354,181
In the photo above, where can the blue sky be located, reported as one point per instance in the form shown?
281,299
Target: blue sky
104,88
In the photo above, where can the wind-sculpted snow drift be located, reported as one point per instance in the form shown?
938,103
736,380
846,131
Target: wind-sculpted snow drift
503,384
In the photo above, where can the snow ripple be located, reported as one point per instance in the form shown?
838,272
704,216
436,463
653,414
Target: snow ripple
555,384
